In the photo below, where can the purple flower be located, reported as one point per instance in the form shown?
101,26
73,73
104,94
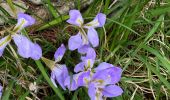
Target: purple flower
87,60
26,48
23,21
85,67
102,83
82,69
59,73
77,20
82,38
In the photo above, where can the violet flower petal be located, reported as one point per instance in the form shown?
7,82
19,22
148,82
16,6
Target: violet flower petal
24,45
59,53
30,20
112,91
56,71
71,83
75,18
92,91
110,75
103,66
103,77
27,48
84,78
36,52
98,21
83,49
93,37
109,69
79,67
24,20
89,63
61,79
90,54
59,73
75,42
115,73
3,44
53,79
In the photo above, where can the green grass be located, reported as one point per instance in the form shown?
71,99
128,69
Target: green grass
137,39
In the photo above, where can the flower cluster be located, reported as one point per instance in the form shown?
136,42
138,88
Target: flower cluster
101,80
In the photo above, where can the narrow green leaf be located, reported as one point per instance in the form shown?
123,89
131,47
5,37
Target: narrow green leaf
123,26
159,10
11,5
8,90
153,69
107,2
164,60
153,30
75,95
22,97
78,4
53,22
51,8
41,68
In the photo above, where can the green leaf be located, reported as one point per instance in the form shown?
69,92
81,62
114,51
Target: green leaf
159,10
11,5
164,60
53,22
8,90
51,8
41,68
153,69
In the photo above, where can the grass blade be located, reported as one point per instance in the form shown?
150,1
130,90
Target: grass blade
53,22
163,80
10,3
51,8
41,68
8,91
